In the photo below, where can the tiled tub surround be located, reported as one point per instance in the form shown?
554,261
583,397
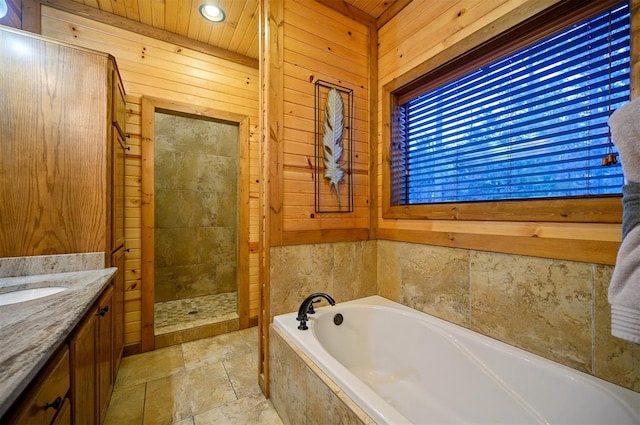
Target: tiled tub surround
345,270
428,372
301,393
556,309
32,331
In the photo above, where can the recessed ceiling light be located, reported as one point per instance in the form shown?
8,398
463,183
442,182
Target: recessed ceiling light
212,13
3,8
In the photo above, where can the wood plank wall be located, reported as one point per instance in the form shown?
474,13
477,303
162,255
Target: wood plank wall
158,69
13,18
319,44
423,33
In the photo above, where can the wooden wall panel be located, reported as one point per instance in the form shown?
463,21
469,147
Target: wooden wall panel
155,68
422,35
319,43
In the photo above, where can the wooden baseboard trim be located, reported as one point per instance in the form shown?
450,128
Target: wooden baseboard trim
130,350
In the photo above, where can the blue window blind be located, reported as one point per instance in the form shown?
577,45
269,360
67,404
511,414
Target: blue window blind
529,125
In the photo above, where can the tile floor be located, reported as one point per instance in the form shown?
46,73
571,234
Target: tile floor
178,315
208,381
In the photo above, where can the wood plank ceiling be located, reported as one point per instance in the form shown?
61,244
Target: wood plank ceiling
237,34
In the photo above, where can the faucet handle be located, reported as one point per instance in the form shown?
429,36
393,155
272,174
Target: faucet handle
311,310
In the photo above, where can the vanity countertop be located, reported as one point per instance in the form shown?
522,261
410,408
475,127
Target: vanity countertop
32,331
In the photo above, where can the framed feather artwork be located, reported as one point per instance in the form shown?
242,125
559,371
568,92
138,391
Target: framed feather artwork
334,148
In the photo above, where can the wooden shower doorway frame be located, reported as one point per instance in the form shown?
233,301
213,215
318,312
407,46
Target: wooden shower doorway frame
149,107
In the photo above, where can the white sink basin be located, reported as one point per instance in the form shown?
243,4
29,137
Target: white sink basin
28,294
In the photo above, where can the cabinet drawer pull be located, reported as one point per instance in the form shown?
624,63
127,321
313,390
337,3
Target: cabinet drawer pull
55,404
103,311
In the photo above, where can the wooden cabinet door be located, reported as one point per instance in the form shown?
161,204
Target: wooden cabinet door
117,190
64,414
48,396
105,351
118,260
84,371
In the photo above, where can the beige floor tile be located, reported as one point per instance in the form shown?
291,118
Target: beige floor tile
187,393
126,406
167,400
243,374
212,380
250,336
253,410
149,366
214,349
188,421
208,387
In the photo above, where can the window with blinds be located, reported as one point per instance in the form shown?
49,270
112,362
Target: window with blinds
529,125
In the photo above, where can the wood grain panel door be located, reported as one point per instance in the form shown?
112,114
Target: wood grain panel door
105,351
84,371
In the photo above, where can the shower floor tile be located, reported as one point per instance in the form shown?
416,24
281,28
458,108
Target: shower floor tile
173,316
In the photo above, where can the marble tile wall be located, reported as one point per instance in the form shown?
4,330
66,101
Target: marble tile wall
196,209
556,309
345,271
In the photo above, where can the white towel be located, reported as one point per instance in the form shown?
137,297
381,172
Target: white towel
624,289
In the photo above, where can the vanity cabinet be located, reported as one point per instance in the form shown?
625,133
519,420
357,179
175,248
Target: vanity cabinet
47,400
63,150
91,349
63,137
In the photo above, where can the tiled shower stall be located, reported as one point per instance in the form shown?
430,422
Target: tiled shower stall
196,221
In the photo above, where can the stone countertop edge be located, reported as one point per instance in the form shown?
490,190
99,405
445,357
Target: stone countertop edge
32,331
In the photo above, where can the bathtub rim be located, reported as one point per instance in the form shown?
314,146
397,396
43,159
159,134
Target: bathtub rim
361,394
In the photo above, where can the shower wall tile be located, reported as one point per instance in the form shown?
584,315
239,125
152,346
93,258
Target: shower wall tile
179,170
217,244
196,207
175,247
226,277
616,360
177,282
184,208
180,209
540,305
165,132
224,171
336,269
227,213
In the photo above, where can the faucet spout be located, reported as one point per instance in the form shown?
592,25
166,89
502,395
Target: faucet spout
307,308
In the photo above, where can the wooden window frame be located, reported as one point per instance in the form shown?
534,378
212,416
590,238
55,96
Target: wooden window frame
605,209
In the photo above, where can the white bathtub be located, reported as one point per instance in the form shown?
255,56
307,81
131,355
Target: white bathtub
404,367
